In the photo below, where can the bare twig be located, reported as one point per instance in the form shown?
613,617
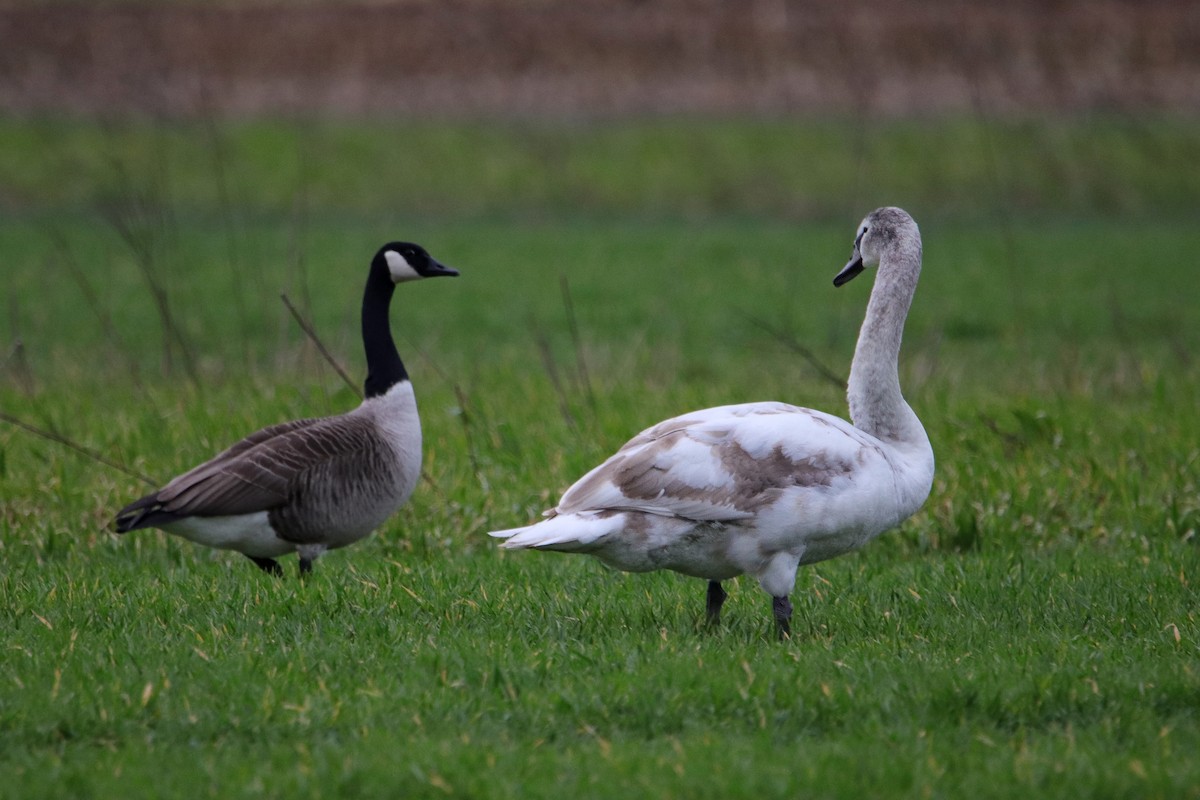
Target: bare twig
312,334
296,234
551,368
225,205
300,213
789,341
94,455
465,415
466,419
67,258
576,340
137,222
1002,210
16,357
20,366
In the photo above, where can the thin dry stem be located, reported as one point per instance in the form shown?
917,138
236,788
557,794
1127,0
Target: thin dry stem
789,341
94,455
312,334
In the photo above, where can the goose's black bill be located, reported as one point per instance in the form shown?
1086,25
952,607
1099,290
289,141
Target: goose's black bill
437,269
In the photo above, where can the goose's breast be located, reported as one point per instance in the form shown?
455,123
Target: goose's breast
345,499
342,499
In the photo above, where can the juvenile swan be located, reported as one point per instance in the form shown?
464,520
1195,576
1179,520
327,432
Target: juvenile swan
314,484
762,488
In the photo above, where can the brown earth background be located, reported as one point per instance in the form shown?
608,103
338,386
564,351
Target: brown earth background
466,58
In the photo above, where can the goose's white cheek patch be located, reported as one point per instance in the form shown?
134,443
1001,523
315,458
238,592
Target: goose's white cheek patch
399,267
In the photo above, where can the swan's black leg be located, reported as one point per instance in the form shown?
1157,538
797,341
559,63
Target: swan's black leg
716,597
305,566
782,607
267,565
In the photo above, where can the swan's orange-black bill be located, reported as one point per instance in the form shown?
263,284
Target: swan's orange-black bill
849,271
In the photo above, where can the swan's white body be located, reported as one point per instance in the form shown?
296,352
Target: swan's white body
761,488
758,488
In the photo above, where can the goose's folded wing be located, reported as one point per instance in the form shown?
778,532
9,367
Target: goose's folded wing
722,464
259,473
257,438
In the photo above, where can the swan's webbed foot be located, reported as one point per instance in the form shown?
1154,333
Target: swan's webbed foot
782,609
716,598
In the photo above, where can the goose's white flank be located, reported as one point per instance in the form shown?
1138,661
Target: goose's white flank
314,484
762,488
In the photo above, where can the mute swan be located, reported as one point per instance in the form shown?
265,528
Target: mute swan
761,488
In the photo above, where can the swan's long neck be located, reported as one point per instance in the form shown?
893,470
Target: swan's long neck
876,405
384,367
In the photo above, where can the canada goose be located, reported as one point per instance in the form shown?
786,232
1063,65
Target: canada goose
762,488
313,484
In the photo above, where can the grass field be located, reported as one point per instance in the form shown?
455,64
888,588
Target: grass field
1033,631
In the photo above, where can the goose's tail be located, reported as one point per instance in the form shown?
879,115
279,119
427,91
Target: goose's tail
144,513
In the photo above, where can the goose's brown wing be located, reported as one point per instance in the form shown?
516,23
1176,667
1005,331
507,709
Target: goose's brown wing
260,472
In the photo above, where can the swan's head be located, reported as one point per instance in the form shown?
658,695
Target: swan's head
406,261
880,231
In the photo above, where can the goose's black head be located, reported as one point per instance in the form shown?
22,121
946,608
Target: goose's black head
879,230
395,262
405,261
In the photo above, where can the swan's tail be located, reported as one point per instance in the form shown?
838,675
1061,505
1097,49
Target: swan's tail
565,532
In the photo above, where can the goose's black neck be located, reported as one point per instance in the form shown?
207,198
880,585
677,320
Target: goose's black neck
384,367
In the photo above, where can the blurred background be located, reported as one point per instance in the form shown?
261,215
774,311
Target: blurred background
597,58
168,169
517,106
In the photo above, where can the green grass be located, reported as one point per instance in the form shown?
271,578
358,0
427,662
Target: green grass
1032,631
